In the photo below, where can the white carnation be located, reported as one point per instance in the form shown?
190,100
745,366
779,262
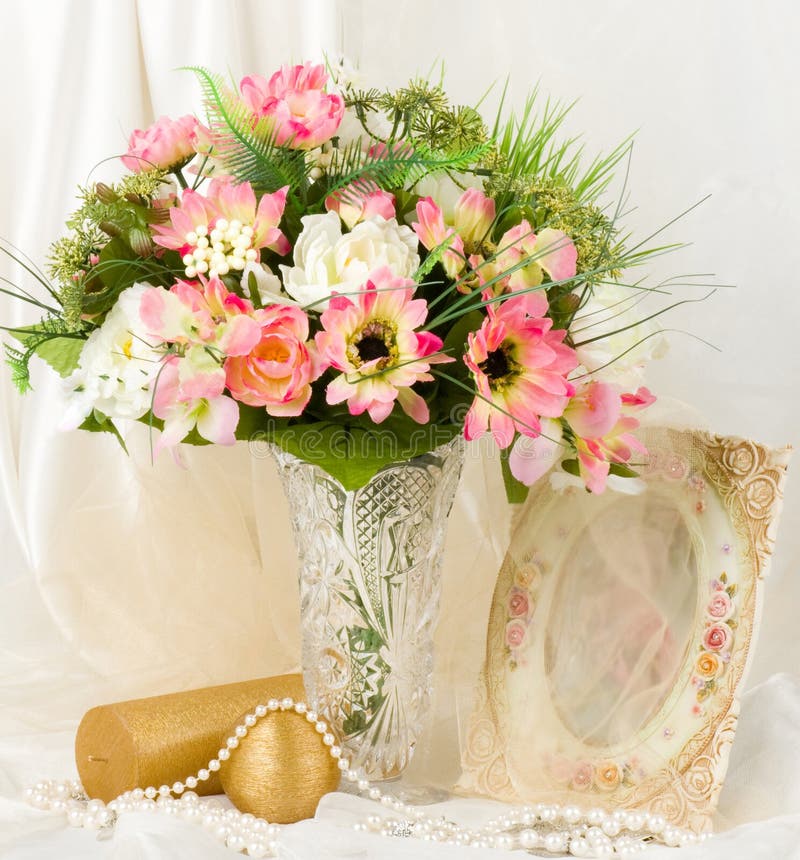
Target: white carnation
117,365
327,261
616,358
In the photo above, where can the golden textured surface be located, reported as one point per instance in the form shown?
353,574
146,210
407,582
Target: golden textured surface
280,770
160,740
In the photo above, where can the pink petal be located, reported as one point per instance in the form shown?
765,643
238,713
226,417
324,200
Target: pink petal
556,254
413,405
595,411
532,458
218,421
240,336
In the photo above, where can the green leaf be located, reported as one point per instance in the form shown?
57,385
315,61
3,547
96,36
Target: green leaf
516,491
571,467
622,470
97,422
61,352
118,269
353,454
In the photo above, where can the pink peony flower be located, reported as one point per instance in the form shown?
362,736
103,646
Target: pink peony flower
372,339
187,397
359,203
166,143
433,232
600,410
518,603
278,371
303,114
224,230
717,637
519,366
515,634
720,607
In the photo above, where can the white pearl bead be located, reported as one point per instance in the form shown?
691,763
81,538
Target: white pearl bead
335,752
363,785
236,842
250,720
595,816
555,842
261,711
328,739
529,839
224,754
300,707
374,794
287,704
571,814
214,765
351,776
203,774
273,705
191,782
74,816
232,743
656,824
343,764
256,848
240,731
579,847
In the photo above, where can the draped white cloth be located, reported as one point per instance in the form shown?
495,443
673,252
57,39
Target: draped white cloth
121,578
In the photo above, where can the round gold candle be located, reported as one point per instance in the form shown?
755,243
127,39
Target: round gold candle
163,739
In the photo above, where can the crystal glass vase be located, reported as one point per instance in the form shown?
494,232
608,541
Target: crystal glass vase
370,579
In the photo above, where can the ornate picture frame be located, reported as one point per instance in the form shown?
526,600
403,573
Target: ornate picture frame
644,715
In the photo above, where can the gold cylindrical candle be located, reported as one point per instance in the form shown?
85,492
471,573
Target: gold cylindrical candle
160,740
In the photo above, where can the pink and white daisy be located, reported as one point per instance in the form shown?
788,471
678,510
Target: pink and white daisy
373,340
520,367
224,230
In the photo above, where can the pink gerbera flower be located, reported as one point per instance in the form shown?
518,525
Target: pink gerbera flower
224,230
372,339
520,367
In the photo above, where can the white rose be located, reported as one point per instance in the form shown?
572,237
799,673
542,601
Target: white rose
116,367
325,261
445,189
610,308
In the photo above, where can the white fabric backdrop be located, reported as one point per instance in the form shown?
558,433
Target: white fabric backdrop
119,578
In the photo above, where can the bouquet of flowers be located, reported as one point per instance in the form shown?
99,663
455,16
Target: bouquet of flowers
322,257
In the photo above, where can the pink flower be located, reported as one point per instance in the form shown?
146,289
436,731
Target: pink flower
207,317
186,397
599,410
717,637
372,339
533,457
303,114
720,607
360,202
224,230
518,603
519,366
515,634
583,776
433,233
551,251
166,143
278,371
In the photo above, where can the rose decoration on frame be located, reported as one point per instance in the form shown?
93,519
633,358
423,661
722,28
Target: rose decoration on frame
363,279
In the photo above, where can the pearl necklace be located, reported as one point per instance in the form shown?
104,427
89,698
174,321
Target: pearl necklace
557,829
